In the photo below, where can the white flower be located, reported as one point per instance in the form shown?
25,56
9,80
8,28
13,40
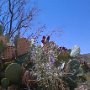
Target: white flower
51,57
10,44
42,65
42,45
62,66
55,74
32,41
48,66
61,74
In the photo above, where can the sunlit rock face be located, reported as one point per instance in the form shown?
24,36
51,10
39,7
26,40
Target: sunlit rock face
75,51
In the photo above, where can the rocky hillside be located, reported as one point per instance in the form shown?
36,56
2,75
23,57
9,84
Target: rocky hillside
84,57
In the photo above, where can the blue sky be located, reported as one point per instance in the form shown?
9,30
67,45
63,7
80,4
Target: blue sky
72,16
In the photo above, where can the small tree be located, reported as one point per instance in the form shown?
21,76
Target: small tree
16,16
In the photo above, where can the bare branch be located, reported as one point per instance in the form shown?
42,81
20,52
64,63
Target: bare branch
11,18
15,17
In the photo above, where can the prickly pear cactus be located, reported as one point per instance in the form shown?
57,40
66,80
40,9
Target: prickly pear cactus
74,66
5,82
13,73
